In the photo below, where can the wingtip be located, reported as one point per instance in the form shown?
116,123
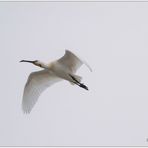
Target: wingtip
26,112
91,70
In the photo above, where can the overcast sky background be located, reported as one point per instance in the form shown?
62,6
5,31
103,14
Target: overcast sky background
112,37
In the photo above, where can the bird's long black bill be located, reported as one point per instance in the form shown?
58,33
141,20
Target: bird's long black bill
28,61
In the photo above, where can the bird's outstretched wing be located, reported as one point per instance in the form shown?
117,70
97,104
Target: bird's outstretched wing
37,82
71,61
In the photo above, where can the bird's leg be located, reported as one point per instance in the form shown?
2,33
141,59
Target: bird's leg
78,83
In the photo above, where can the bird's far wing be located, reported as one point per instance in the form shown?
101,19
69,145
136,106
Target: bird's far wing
72,61
37,82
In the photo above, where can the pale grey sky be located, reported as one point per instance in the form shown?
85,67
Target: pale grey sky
112,38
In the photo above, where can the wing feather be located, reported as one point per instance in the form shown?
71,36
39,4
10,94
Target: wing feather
37,82
72,61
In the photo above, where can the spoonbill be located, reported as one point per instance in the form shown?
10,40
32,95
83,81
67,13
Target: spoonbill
61,69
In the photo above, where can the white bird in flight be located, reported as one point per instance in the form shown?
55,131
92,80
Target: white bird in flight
61,69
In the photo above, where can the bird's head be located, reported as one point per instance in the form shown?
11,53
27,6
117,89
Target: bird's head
35,62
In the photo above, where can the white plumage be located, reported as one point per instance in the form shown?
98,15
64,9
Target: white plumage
62,69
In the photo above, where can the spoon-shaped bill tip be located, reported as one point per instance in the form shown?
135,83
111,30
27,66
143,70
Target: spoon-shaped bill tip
22,61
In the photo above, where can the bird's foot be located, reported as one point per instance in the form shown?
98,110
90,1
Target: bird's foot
83,86
78,83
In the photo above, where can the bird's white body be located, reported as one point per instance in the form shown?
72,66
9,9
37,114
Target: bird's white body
37,82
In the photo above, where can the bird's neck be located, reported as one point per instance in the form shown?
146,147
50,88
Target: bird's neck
45,66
